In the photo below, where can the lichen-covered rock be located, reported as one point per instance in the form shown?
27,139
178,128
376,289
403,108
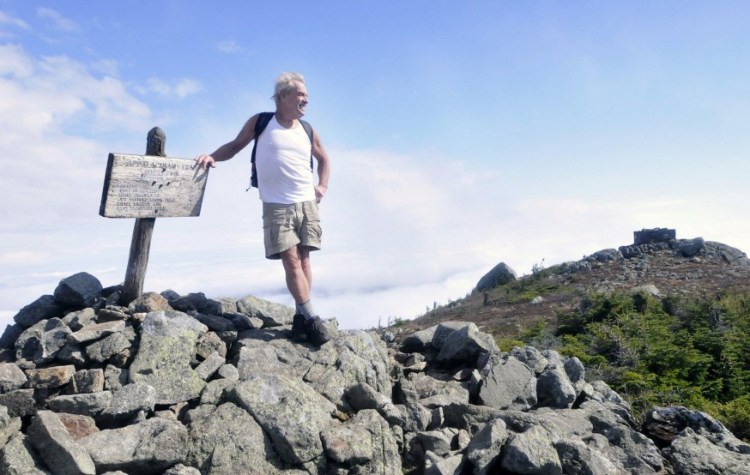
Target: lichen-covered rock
57,448
166,349
40,343
290,412
19,457
509,384
364,444
227,438
148,447
128,401
270,313
11,377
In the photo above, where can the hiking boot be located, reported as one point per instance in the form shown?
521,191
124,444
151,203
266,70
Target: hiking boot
299,328
320,332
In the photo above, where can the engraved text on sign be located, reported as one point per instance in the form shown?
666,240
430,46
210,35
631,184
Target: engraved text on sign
144,186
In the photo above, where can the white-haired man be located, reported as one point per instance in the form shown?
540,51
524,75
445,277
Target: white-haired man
283,170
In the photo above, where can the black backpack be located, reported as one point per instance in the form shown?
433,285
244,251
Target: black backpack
260,125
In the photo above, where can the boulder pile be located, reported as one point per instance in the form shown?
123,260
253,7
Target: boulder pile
187,385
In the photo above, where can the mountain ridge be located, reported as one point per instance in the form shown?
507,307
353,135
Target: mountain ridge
673,267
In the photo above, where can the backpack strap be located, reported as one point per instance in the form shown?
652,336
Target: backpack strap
308,128
260,125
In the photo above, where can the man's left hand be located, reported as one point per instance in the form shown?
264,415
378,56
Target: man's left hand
320,192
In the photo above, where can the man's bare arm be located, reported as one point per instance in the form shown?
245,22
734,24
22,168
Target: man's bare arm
324,167
232,148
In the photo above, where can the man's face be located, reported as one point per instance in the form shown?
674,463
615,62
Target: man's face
293,101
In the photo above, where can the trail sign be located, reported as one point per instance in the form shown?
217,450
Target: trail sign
144,186
147,187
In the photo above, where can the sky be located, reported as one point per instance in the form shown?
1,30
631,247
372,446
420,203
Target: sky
461,134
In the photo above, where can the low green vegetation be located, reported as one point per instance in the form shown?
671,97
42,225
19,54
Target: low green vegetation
674,351
538,284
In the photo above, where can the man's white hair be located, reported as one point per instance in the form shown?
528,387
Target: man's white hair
285,82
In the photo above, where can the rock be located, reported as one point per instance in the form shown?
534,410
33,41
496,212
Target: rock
20,458
509,384
554,389
11,377
88,381
418,341
97,331
501,274
691,452
78,291
436,465
84,404
696,442
40,343
531,357
52,377
149,302
531,452
78,426
149,447
20,402
43,308
606,255
214,322
9,336
80,318
9,426
270,313
210,366
112,313
279,404
197,302
445,329
57,448
167,346
464,346
224,438
115,348
691,247
115,378
181,469
129,401
364,444
485,447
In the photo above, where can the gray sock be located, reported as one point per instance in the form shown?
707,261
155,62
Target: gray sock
306,309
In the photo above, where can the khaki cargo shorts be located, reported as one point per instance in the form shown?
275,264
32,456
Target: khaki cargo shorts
289,225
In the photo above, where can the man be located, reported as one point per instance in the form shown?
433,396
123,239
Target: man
291,225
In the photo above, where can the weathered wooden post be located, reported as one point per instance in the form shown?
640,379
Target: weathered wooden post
146,187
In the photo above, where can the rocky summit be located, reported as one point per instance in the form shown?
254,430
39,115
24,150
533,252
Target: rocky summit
188,385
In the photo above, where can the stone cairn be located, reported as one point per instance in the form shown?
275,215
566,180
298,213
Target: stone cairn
190,385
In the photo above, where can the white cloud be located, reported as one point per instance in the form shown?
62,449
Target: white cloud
14,62
58,20
181,89
229,46
6,19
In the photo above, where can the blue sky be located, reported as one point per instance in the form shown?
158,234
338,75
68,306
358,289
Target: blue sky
462,134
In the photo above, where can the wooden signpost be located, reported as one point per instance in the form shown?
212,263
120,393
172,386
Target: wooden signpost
147,187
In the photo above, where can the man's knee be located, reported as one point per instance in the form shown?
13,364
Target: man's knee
291,259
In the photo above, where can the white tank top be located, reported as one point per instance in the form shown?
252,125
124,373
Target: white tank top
282,161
